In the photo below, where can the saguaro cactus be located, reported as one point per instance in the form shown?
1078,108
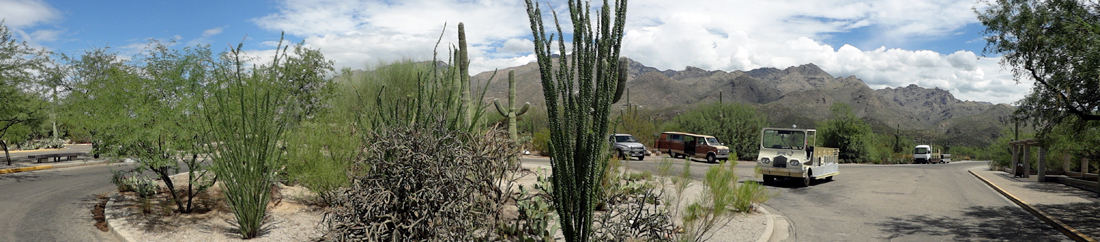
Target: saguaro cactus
464,72
511,111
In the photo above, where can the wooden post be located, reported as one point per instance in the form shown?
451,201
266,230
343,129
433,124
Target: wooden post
1084,166
1042,165
1025,159
1065,163
1015,158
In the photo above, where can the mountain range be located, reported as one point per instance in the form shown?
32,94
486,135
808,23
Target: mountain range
798,95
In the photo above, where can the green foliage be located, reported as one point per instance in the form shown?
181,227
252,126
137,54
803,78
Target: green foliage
748,195
319,153
737,125
541,142
717,204
1054,43
1000,153
1078,139
409,92
536,211
21,110
578,119
147,110
246,119
848,133
641,123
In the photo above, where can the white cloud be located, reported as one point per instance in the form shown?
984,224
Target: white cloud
710,34
26,13
211,32
45,35
22,15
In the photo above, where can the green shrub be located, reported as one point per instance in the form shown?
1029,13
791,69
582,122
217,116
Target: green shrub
540,142
143,186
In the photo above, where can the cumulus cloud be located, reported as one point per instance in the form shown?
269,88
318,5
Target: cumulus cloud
711,34
26,13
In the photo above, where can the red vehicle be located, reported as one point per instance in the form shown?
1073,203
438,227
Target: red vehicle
680,144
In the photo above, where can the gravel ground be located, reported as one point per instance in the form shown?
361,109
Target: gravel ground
292,220
743,227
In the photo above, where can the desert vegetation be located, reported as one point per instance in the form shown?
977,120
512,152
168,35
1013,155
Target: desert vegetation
409,150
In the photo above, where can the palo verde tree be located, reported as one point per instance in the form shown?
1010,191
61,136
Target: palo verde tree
20,108
146,110
1056,43
846,132
735,124
579,117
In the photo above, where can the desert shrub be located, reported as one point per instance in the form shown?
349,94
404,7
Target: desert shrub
540,142
425,182
632,208
536,213
143,186
319,152
748,195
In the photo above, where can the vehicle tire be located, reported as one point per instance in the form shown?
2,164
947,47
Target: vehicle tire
711,159
806,181
622,156
830,178
641,157
768,179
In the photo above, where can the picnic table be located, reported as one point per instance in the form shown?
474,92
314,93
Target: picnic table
57,156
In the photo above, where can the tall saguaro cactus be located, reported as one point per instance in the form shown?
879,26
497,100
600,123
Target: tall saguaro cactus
464,74
578,118
511,111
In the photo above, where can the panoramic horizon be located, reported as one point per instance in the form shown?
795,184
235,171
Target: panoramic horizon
933,44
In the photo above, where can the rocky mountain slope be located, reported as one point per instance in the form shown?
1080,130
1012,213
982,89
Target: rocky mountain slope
799,95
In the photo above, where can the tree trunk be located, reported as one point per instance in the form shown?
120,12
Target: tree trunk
6,154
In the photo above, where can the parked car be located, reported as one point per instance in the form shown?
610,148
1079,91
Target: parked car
625,146
680,144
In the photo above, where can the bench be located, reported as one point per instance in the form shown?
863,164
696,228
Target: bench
57,157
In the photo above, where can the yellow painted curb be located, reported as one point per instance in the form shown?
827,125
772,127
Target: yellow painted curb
1065,229
22,169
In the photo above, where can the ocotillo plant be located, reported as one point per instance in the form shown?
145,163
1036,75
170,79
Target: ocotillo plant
511,111
578,118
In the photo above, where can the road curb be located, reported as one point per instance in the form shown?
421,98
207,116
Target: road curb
769,228
22,169
120,235
1057,224
45,167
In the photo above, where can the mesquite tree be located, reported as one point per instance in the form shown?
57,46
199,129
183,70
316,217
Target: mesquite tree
578,117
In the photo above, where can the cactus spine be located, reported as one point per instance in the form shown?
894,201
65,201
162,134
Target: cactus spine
511,111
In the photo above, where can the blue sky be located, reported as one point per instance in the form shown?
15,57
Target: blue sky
888,43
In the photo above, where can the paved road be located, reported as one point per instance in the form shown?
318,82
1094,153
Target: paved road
53,205
890,202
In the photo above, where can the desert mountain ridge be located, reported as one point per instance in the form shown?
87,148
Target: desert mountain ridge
798,95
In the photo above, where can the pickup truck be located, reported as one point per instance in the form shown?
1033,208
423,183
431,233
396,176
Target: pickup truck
625,146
